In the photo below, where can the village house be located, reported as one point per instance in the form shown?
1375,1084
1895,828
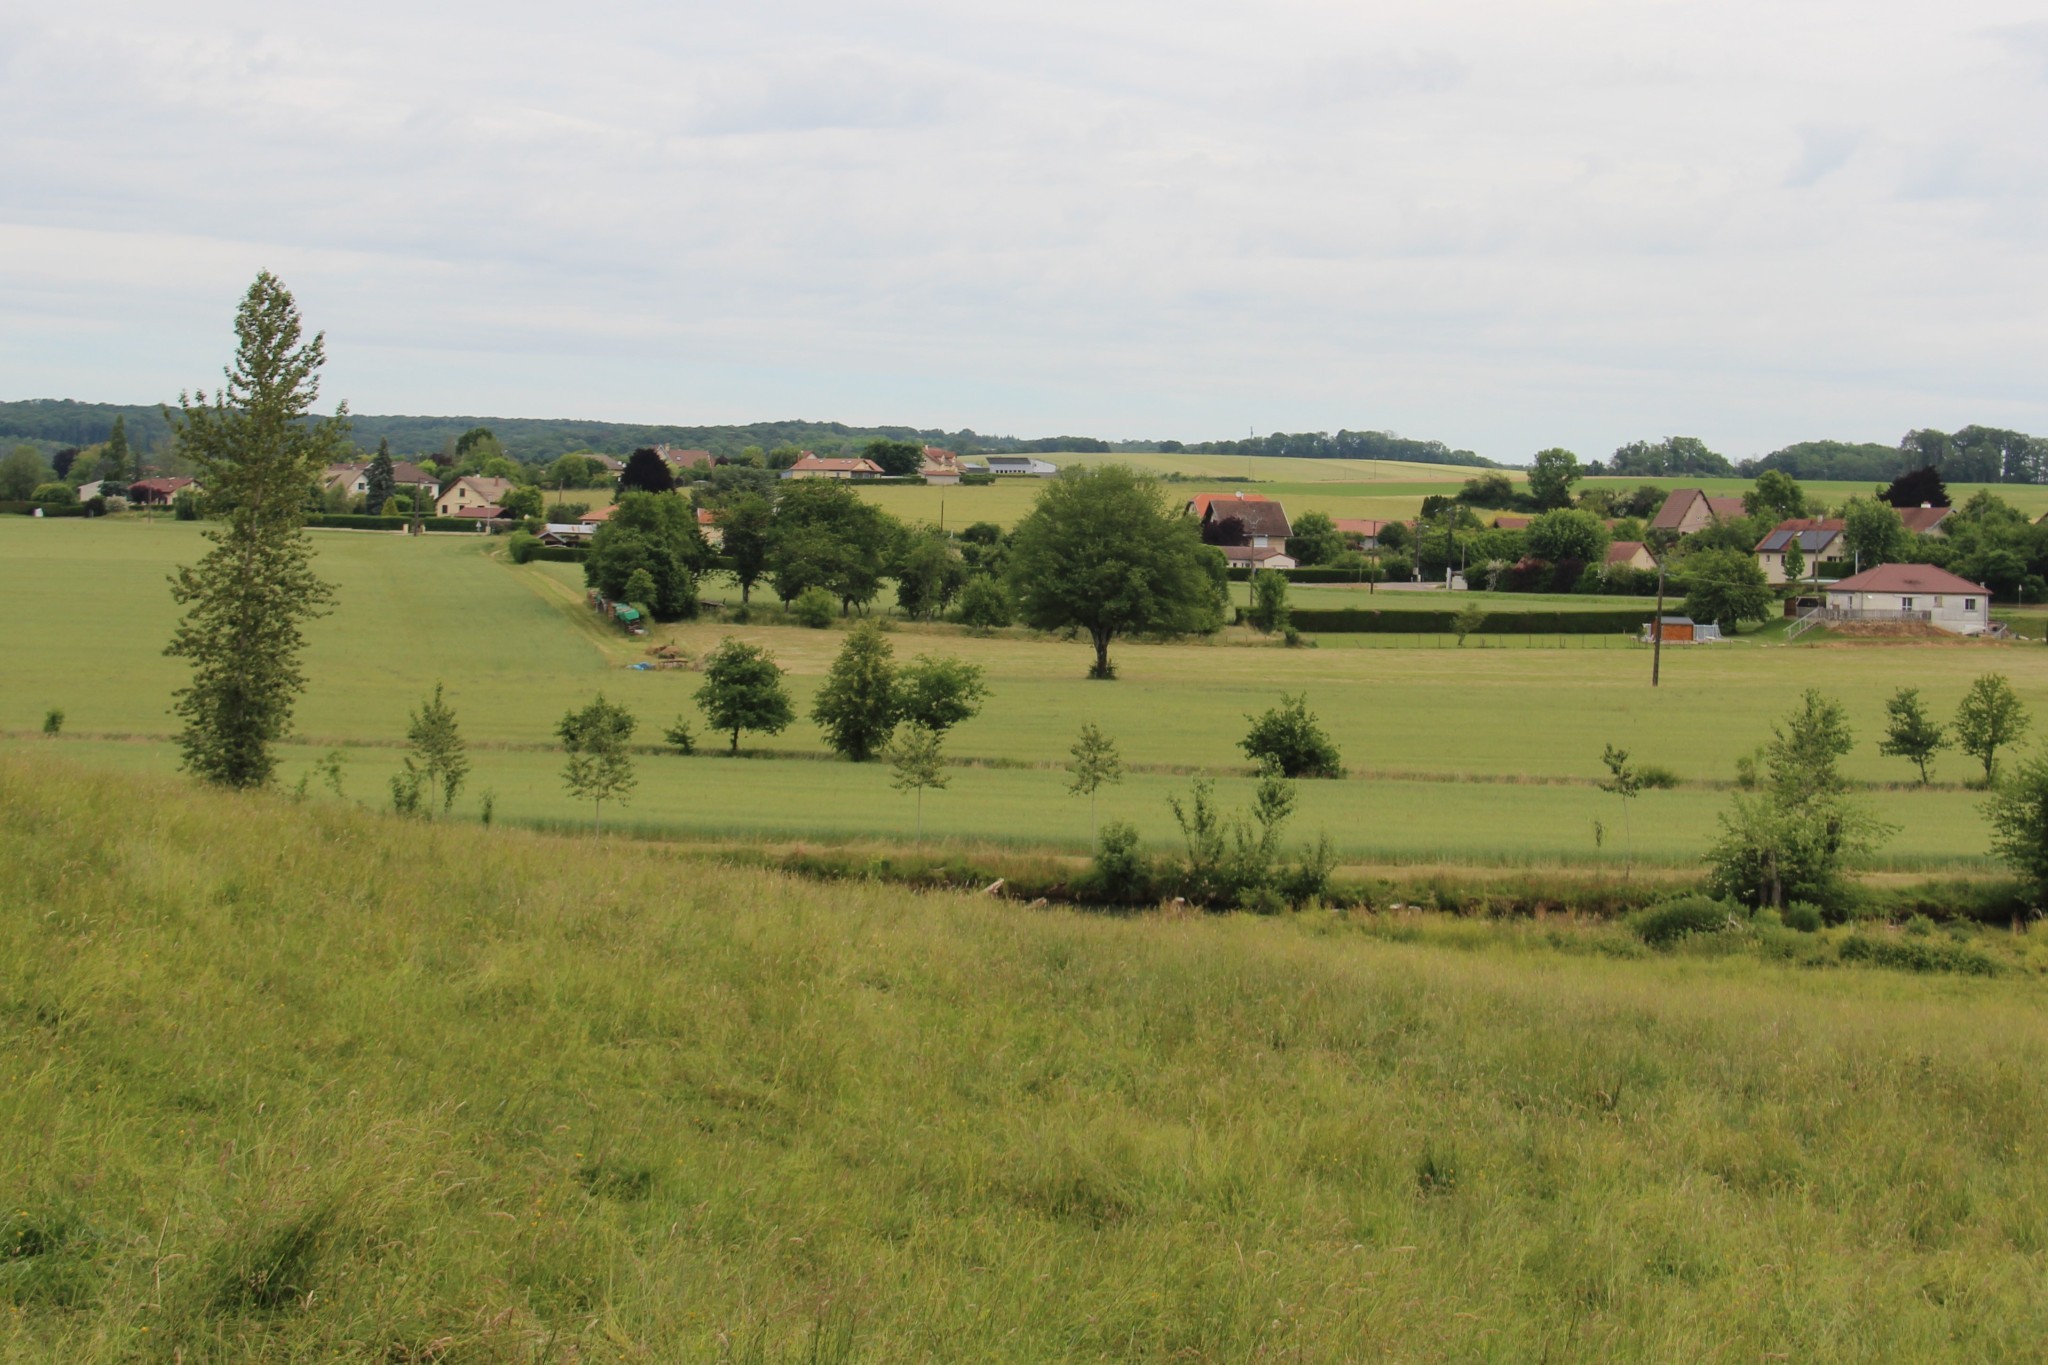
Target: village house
940,466
679,460
597,516
1687,510
1818,538
1630,554
810,466
472,495
1508,521
1261,522
354,479
1363,533
1925,520
158,492
707,526
1909,593
1256,557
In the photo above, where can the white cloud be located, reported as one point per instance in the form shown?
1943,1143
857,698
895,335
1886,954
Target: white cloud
1505,225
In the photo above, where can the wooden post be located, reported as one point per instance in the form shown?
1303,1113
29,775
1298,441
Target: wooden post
1657,629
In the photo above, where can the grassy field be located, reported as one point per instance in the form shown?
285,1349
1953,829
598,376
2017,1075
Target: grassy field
294,1082
1519,729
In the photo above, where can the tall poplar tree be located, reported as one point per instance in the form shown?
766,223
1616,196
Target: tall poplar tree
248,598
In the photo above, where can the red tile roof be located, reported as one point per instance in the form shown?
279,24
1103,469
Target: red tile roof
1921,520
1259,516
1622,551
1914,578
810,464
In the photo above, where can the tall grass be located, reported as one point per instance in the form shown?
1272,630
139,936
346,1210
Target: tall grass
299,1082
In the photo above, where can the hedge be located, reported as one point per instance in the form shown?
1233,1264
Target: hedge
1315,574
352,521
560,554
1359,621
50,509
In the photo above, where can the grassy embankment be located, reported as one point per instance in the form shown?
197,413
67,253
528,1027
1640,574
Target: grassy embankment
1464,757
300,1082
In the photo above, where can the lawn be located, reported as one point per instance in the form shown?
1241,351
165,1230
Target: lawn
291,1082
517,648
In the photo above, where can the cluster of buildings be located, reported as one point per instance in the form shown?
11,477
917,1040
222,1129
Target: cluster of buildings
940,467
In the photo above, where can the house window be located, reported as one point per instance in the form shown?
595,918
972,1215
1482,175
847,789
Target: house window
1905,604
1969,604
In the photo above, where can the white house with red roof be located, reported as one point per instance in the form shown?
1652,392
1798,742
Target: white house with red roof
1911,592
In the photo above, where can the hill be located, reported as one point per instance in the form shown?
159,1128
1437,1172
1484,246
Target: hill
301,1082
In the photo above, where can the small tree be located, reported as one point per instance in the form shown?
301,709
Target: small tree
742,690
1626,783
1990,718
1911,735
438,756
680,737
599,769
1726,587
53,722
856,708
1095,764
939,693
915,763
646,472
1468,620
2018,815
1269,600
1292,740
1795,560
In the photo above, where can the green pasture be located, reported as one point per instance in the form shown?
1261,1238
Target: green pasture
299,1083
88,613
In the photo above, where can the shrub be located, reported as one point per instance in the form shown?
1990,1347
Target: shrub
814,607
58,494
1803,916
521,545
1917,955
984,604
680,738
1660,926
1656,777
1293,741
1122,875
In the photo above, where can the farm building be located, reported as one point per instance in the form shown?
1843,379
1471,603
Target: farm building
1686,510
566,533
597,516
1021,464
1911,593
814,467
1818,538
472,491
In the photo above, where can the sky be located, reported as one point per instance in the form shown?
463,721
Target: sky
1506,226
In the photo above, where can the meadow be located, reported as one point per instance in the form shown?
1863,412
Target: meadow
1479,755
302,1082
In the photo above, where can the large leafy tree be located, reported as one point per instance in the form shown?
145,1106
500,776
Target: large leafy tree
857,707
897,458
1776,497
247,599
21,472
742,690
2018,815
938,692
1316,540
1991,716
826,536
746,530
1873,533
1568,534
1726,587
1101,552
1552,476
929,574
655,534
646,472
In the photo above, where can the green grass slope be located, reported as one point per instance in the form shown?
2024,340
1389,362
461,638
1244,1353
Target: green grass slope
302,1083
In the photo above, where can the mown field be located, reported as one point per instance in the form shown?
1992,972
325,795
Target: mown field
1517,732
301,1082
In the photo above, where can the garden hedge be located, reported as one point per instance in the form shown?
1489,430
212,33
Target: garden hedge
1360,621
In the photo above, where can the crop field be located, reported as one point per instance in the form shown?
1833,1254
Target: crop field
1481,754
304,1082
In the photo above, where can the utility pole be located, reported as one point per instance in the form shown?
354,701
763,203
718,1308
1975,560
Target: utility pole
1657,629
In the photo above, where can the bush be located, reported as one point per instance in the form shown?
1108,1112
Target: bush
1122,875
57,494
985,604
1803,916
1656,777
1917,955
1660,926
814,607
1292,740
521,545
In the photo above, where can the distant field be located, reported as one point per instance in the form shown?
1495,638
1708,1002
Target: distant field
517,648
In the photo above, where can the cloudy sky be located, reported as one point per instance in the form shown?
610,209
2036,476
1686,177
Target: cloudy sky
1502,225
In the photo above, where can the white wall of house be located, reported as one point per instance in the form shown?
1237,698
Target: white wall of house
1964,613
